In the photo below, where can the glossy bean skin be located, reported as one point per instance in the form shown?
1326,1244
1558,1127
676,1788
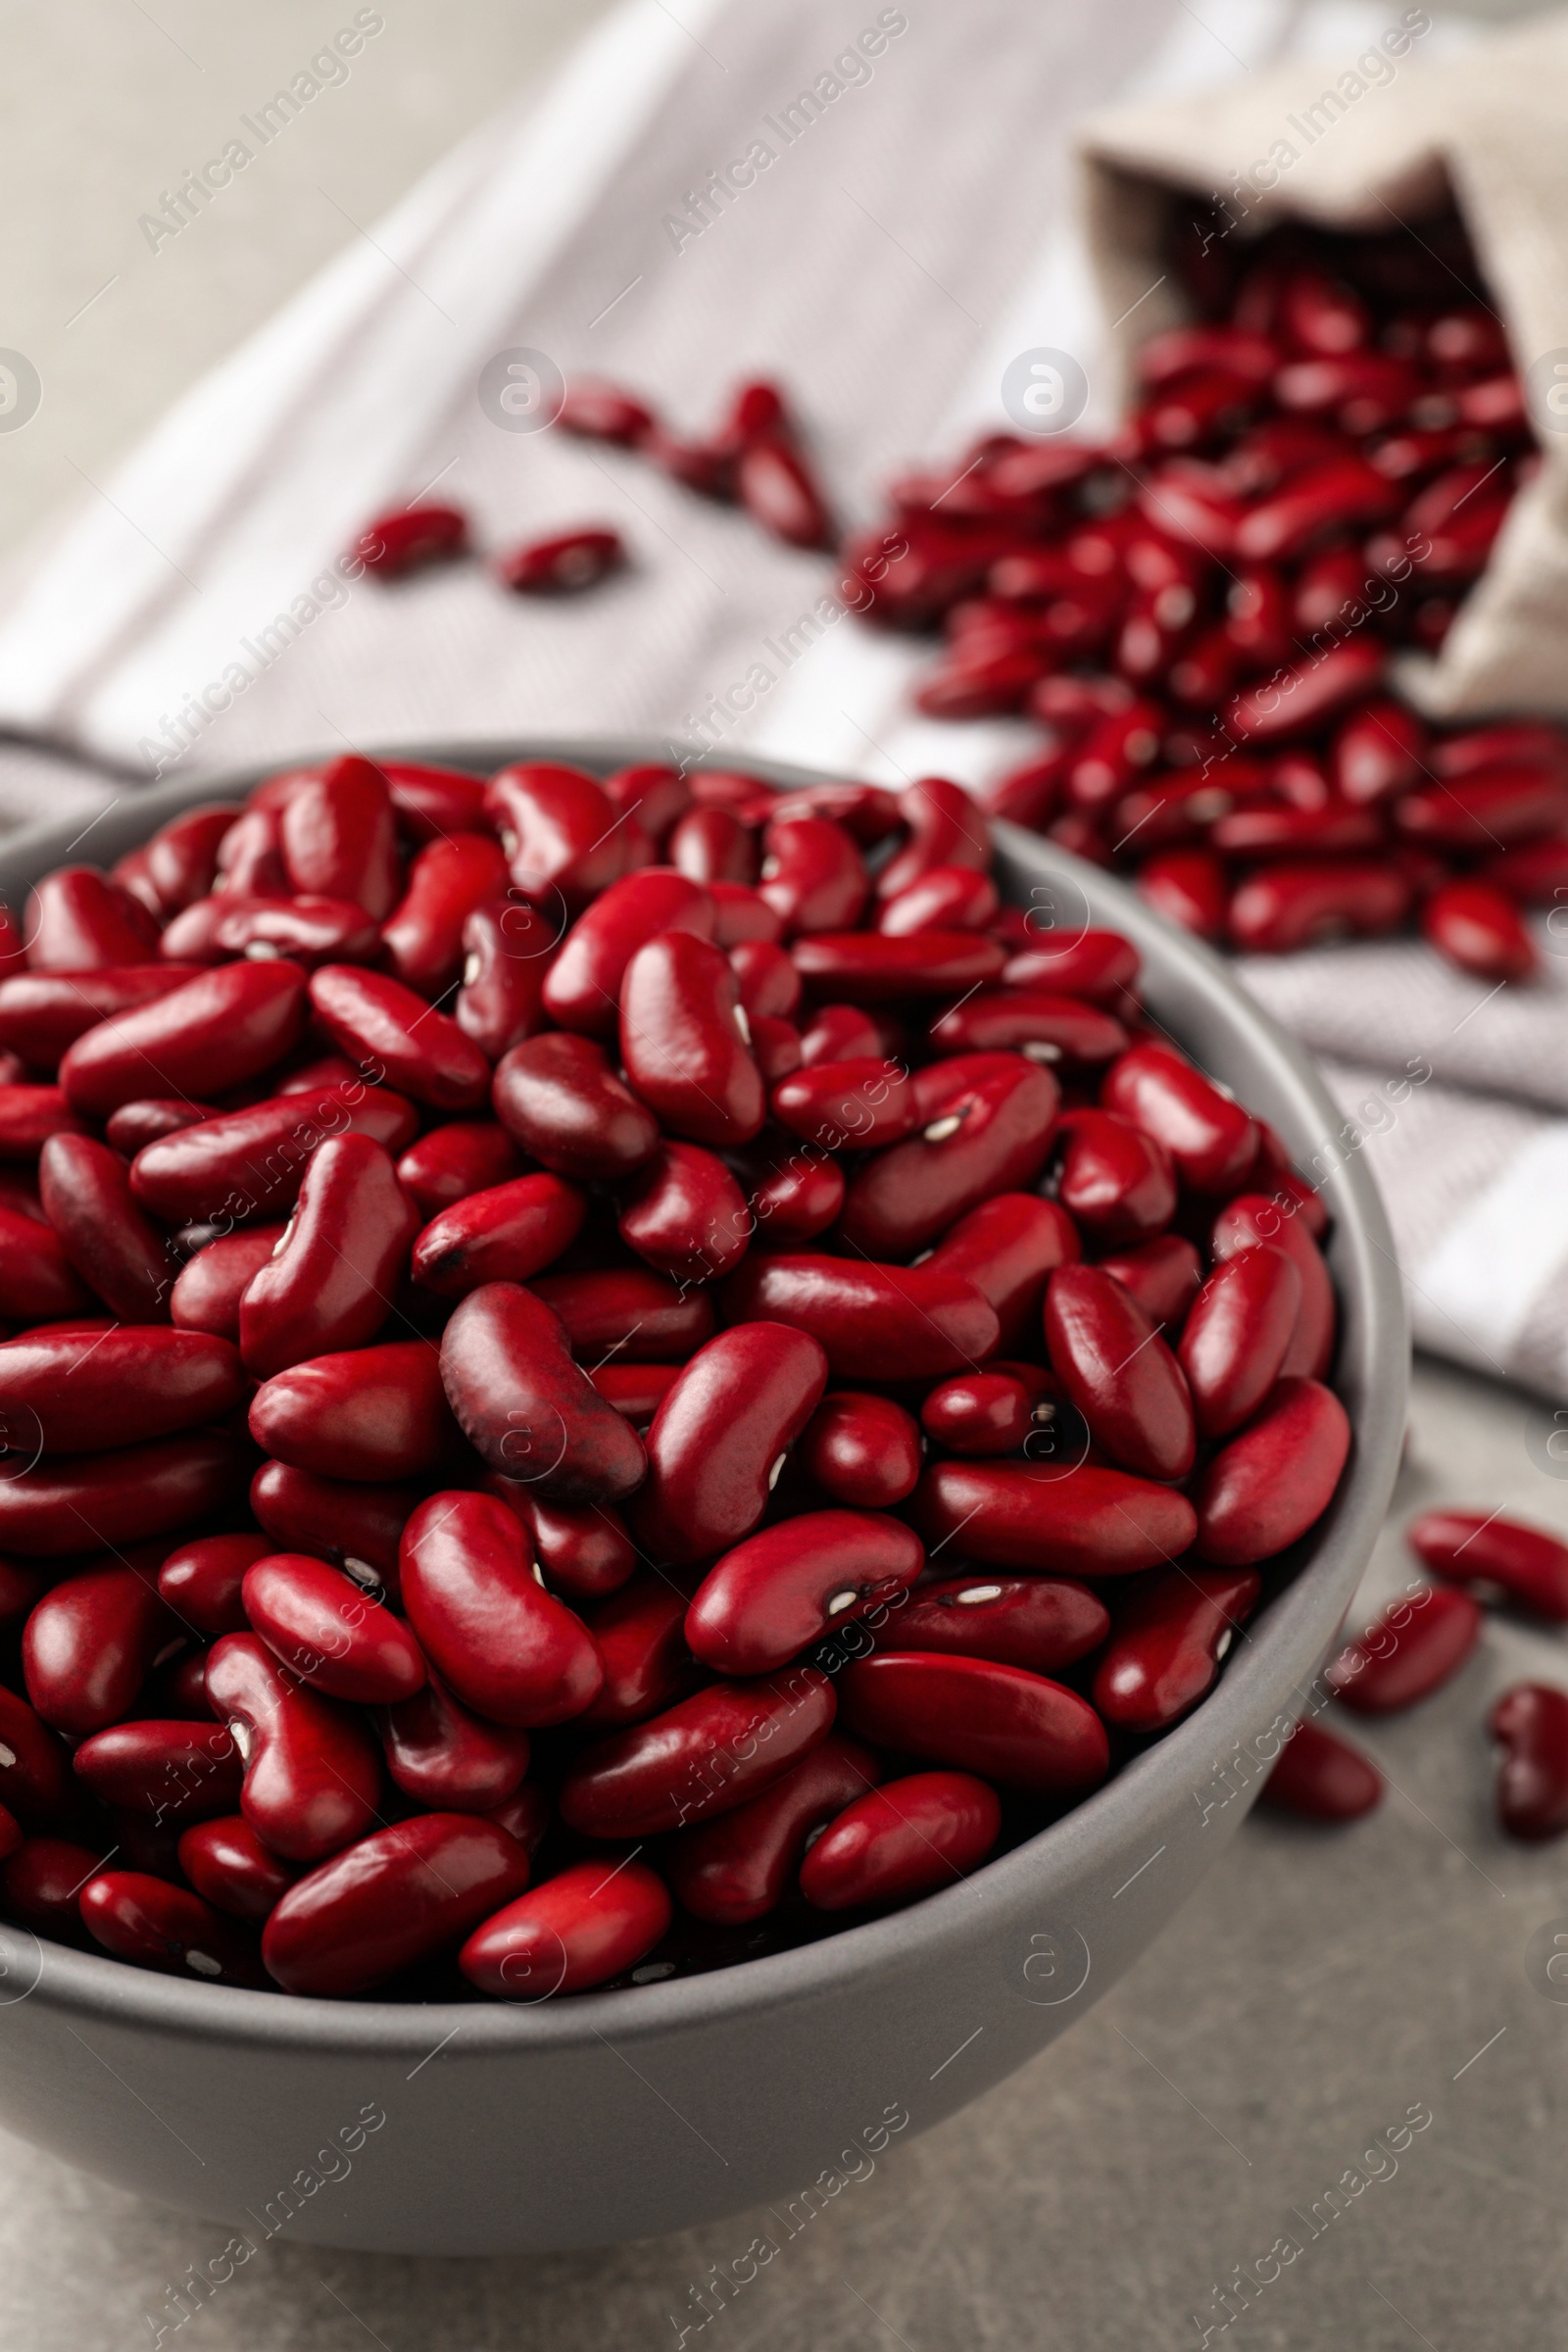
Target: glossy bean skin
1528,1564
612,1309
80,922
874,1322
1044,1028
1008,1246
1099,966
793,1191
1530,1722
312,1773
855,1103
1307,900
1211,1140
173,1771
71,1393
866,967
41,1882
1255,1217
573,1931
862,1450
154,1925
201,1580
1088,1522
782,1589
813,876
232,1870
134,1125
35,1773
840,1033
558,828
503,1234
705,1755
1166,1644
369,1413
738,1867
209,1286
582,986
505,949
909,1837
329,1632
949,898
41,1013
87,1195
1116,1182
81,1502
712,845
381,1025
583,1548
89,1646
240,1163
656,795
309,931
447,881
329,1285
683,1041
640,1632
1322,1778
1018,1730
465,1156
398,1896
978,1413
768,980
685,1214
1236,1337
1406,1654
1120,1374
448,1759
1478,927
338,839
1164,1276
341,1521
37,1281
557,1096
1273,1480
719,1435
524,1405
1041,1623
228,1025
506,1646
30,1115
946,828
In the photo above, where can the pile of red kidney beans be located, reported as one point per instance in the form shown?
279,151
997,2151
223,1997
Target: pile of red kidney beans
603,1376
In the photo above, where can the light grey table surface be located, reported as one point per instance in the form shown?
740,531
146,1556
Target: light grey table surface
1320,1984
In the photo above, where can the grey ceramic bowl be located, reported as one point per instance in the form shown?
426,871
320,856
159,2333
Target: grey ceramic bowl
474,2129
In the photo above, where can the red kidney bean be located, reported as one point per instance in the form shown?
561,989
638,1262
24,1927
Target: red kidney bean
1088,1522
685,1213
1100,966
769,984
89,1646
154,1925
559,831
35,1783
775,1047
793,1191
329,1632
206,1291
781,1589
80,922
866,967
563,565
236,1162
557,1096
683,1041
250,855
1253,1218
656,795
506,1363
989,1122
1494,807
86,1502
862,1450
1322,1778
946,828
387,1027
589,1923
874,1322
1407,1653
840,1033
741,913
215,1031
1478,927
400,1895
909,1838
312,1772
1530,1722
448,1759
776,486
1018,1729
37,1278
719,1437
30,1115
1211,1139
712,845
813,876
583,984
451,1163
232,1869
1042,1623
447,881
1378,751
738,1867
978,1413
41,1013
329,1283
201,1580
1006,1246
355,1526
506,946
172,1770
1043,1028
506,1647
1301,904
308,930
1164,1276
1166,1644
407,538
705,1755
640,1635
1270,1484
602,411
338,838
179,864
583,1548
134,1125
41,1882
73,1392
615,1308
87,1195
503,1234
1120,1373
856,1105
1116,1182
949,898
1237,1335
1527,1564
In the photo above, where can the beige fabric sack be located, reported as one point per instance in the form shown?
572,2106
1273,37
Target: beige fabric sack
1386,137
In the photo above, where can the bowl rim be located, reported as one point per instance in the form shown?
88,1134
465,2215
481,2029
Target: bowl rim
87,1984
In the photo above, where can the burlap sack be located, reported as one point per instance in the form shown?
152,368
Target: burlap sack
1390,135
